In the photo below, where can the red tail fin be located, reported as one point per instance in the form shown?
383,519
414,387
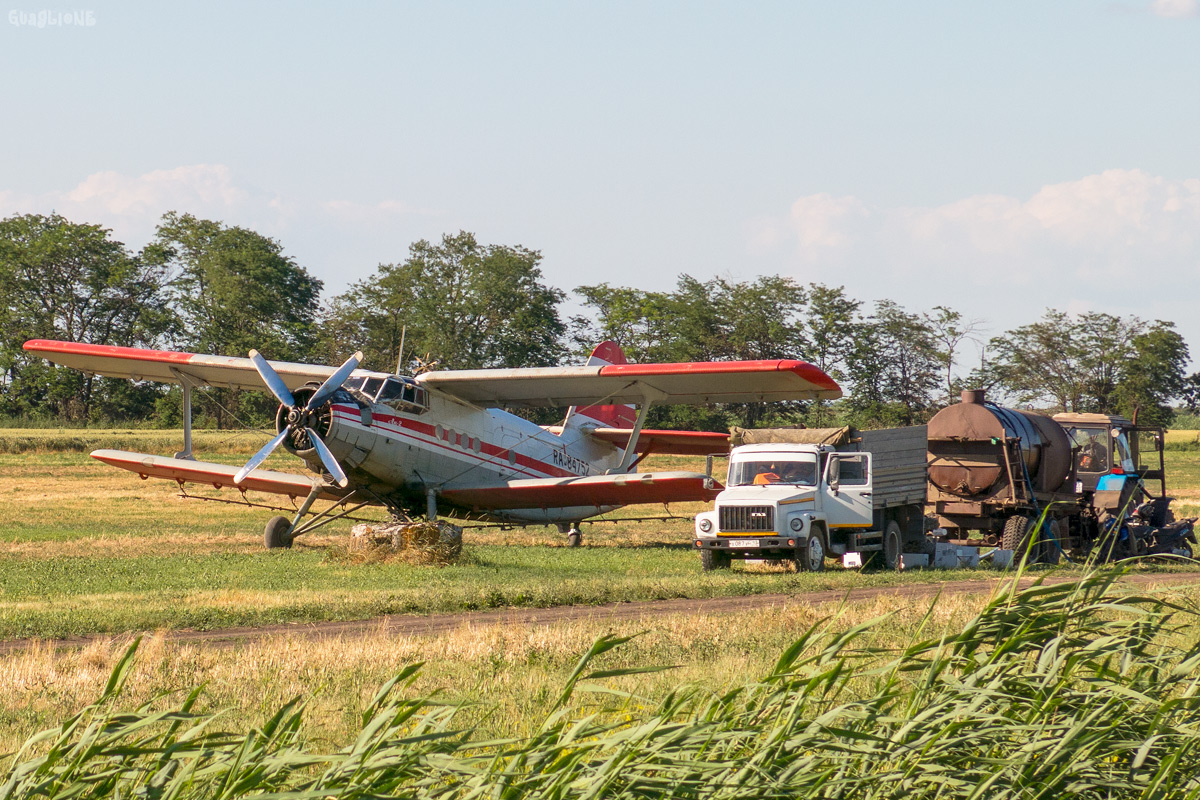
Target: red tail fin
604,416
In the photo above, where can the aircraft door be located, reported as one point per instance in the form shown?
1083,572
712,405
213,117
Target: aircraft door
848,490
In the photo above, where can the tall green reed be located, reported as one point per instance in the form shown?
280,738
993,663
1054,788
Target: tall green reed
1073,689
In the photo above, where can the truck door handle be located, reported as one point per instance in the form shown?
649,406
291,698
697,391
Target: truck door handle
865,494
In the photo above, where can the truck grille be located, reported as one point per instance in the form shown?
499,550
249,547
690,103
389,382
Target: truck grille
745,519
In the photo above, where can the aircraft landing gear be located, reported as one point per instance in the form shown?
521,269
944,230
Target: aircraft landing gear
278,533
574,535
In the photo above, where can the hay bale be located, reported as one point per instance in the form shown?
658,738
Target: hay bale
437,543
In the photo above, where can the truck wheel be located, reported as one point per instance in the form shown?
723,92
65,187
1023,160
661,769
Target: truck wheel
1016,535
711,559
893,545
812,557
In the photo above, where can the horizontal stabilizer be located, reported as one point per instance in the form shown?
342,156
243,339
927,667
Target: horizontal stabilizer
215,475
594,490
679,443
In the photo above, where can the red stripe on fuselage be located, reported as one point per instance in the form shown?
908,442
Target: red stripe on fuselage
540,468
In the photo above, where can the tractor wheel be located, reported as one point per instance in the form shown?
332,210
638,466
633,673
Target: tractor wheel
278,533
893,545
811,558
711,559
574,538
1016,536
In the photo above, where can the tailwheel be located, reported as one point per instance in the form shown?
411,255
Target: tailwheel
574,535
278,533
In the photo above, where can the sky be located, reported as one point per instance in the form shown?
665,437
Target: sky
998,158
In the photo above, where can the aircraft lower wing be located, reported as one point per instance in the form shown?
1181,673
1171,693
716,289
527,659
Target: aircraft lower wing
215,475
593,490
695,383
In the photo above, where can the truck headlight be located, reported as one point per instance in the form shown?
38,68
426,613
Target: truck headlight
705,524
797,524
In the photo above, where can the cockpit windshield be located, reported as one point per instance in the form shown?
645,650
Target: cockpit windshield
790,469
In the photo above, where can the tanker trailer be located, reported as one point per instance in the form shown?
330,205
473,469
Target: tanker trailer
994,470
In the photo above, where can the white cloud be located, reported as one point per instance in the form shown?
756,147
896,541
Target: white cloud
1175,9
1121,241
1100,224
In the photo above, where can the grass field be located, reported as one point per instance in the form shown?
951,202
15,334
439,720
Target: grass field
95,550
88,549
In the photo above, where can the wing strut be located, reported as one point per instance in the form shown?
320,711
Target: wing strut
187,382
631,448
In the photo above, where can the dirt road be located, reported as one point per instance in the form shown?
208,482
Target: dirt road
433,624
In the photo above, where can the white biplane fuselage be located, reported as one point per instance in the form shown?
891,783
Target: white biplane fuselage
410,439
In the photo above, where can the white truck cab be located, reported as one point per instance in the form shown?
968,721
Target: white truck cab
808,501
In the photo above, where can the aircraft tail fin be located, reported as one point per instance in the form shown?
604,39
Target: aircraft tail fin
609,416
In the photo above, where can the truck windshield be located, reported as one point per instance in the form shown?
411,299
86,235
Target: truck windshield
792,470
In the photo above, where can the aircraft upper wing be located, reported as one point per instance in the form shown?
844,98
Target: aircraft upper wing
693,383
165,365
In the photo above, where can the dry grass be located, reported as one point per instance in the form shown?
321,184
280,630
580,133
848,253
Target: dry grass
506,668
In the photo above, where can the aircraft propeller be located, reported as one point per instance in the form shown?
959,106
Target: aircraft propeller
300,418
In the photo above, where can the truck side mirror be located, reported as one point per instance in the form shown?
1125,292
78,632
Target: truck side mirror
834,470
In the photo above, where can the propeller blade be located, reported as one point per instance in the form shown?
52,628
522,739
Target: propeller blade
272,380
331,463
260,456
334,382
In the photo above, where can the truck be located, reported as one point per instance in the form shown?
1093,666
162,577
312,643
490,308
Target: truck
810,494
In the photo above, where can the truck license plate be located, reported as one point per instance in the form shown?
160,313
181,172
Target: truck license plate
743,542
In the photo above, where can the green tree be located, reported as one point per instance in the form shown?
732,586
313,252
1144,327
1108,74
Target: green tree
1154,375
465,305
63,280
831,330
949,330
1094,362
234,290
896,365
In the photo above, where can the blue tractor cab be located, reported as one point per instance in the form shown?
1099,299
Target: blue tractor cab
1116,462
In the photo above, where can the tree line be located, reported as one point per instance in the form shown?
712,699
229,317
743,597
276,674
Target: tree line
203,286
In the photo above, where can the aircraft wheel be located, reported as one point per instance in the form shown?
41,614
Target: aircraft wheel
278,533
574,538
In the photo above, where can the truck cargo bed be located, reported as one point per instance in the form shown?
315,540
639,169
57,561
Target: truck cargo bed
898,460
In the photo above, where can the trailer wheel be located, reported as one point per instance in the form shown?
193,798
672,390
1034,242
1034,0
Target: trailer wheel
893,545
711,559
1016,536
811,558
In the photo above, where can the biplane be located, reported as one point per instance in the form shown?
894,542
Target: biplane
445,441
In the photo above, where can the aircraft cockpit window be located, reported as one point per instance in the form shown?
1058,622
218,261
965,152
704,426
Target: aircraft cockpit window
392,390
371,386
404,396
